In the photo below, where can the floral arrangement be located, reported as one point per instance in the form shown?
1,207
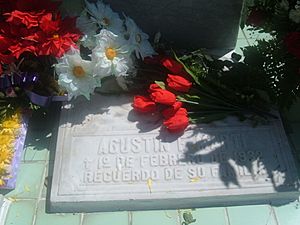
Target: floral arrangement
9,131
32,35
163,101
277,59
199,89
112,46
43,53
46,56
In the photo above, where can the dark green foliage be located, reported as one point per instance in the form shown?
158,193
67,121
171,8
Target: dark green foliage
278,69
224,88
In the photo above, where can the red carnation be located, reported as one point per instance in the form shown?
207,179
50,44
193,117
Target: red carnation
176,124
172,65
178,83
170,111
29,19
59,35
143,104
292,42
21,47
48,25
163,97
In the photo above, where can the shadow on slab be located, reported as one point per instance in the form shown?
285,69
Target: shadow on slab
236,153
243,153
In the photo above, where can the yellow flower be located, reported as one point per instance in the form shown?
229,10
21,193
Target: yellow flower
7,140
3,170
12,122
6,154
2,182
9,129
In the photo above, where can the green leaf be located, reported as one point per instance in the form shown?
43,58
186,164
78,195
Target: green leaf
161,84
193,75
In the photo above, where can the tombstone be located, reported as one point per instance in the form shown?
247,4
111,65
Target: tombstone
109,158
186,24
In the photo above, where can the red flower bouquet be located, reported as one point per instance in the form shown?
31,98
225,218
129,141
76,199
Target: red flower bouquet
32,35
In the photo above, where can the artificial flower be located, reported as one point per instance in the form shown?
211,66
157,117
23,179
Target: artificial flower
153,87
176,124
76,75
13,123
172,110
5,154
178,83
23,46
9,129
38,32
144,104
163,97
58,35
3,172
292,42
29,19
138,40
112,54
295,15
172,65
103,15
88,28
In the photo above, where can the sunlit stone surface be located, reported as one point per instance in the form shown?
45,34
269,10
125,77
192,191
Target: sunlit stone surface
110,158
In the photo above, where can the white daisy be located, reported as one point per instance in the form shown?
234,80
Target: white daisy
111,55
138,39
105,17
76,75
88,28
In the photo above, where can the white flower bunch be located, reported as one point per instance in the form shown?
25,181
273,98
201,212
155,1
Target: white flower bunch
114,45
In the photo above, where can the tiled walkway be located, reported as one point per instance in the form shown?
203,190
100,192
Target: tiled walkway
28,200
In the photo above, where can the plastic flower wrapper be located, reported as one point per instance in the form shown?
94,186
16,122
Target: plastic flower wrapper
138,39
111,55
103,15
76,75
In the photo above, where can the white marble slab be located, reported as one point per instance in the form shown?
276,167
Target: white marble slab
109,158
